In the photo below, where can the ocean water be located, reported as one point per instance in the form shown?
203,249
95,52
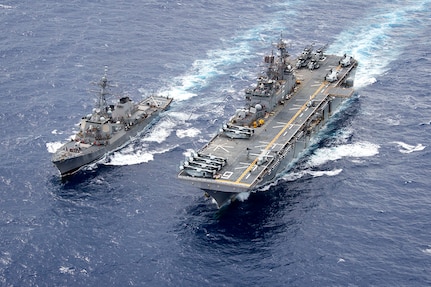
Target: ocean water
353,211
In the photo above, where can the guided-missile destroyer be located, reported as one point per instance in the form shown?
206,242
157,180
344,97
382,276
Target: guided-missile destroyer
288,105
107,128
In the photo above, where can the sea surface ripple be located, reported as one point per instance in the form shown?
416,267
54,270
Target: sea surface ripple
353,211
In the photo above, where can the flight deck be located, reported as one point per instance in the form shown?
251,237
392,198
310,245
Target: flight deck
230,164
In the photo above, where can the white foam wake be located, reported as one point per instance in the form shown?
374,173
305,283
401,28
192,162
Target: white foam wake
375,42
131,156
2,6
202,71
406,148
191,133
160,131
355,151
234,50
292,176
243,196
52,147
56,132
321,156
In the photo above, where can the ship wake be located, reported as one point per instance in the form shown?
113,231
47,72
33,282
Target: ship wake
376,41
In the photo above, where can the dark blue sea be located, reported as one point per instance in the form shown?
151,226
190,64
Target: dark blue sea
355,210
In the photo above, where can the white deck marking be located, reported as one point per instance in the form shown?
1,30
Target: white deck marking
222,147
260,146
246,164
226,175
282,124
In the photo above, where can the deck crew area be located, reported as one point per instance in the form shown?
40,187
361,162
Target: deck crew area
249,160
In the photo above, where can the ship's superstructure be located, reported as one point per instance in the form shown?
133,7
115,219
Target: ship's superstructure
281,113
107,128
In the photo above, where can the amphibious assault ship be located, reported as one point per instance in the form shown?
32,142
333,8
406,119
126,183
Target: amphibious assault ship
288,105
107,128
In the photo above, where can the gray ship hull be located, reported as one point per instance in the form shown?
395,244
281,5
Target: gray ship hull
224,196
287,132
80,152
68,165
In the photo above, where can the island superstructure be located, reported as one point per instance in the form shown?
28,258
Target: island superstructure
288,105
107,128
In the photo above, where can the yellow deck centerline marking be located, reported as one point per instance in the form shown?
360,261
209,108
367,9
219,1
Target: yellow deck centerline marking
281,132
